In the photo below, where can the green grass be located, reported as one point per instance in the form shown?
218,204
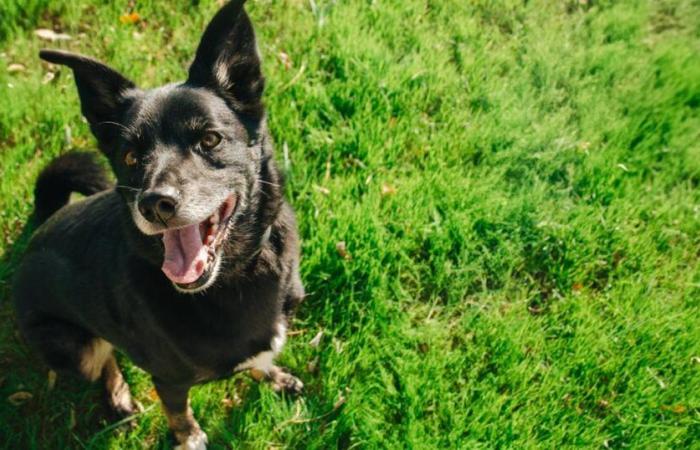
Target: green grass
531,278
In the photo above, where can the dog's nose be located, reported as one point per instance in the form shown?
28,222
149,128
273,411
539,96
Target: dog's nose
157,207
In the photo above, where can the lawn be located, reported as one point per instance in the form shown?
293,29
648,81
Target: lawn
499,207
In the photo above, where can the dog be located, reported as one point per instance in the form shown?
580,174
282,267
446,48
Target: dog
189,265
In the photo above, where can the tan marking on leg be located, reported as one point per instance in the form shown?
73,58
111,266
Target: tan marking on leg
94,357
118,393
186,429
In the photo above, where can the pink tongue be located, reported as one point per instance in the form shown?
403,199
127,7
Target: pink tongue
185,255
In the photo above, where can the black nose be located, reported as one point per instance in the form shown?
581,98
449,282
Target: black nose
157,207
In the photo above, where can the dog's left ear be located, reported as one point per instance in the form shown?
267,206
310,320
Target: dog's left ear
227,61
102,92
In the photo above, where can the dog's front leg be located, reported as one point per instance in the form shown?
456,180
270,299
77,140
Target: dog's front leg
176,406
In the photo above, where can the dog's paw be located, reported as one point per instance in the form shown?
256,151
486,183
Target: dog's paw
286,382
121,404
196,441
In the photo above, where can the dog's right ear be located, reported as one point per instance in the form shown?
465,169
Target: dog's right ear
101,90
227,61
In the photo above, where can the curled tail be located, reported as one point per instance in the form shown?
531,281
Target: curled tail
72,172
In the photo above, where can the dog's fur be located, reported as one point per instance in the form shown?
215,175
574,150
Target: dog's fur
91,278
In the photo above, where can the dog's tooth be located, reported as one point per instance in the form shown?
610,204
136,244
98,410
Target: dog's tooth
214,219
210,239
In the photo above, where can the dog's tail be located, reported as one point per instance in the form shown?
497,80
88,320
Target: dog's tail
71,172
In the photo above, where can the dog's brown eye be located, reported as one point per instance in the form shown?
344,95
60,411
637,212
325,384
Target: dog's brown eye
130,159
211,139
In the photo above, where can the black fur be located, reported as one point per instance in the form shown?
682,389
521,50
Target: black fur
90,271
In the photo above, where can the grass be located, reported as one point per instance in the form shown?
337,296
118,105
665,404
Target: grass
516,184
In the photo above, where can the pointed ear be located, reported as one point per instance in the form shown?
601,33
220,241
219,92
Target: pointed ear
101,90
227,61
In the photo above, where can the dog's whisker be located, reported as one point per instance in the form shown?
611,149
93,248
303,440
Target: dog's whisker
130,188
117,124
260,180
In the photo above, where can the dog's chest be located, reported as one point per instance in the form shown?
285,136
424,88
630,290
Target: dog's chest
204,338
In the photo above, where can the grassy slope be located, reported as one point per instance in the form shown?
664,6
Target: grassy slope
534,279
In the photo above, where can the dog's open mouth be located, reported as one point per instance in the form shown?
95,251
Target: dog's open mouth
191,252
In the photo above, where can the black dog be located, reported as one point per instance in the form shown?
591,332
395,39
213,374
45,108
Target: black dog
189,265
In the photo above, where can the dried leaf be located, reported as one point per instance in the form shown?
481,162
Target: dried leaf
51,380
285,60
340,402
535,310
153,394
679,409
229,402
388,190
130,19
13,68
48,78
312,366
676,409
19,398
322,190
50,35
316,341
343,250
71,419
577,287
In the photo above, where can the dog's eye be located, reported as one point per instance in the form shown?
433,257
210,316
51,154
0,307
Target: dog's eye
130,159
211,139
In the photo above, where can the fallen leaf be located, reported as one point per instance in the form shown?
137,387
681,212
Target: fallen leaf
576,287
51,380
388,190
676,409
153,394
340,402
71,419
535,310
312,366
48,77
327,175
316,341
679,409
19,398
229,403
285,60
343,250
50,35
13,68
130,19
67,135
322,190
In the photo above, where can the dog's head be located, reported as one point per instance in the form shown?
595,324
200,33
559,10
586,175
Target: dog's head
188,157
